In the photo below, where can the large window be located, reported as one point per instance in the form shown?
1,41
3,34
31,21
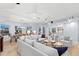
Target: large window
4,29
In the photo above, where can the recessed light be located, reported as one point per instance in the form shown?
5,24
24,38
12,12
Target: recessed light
18,3
51,21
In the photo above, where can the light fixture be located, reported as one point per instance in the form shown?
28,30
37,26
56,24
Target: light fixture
48,20
70,19
34,32
28,32
18,3
51,21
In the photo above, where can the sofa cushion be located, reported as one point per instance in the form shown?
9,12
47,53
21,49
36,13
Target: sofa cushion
22,37
40,39
29,41
28,37
48,50
34,37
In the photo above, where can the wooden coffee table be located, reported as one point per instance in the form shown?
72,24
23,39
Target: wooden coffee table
58,44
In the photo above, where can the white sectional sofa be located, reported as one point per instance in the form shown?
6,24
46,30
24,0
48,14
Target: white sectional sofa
48,50
32,48
25,49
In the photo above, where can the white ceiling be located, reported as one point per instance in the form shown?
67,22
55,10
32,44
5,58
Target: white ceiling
21,13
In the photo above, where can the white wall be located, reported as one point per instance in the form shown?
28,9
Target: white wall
71,30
